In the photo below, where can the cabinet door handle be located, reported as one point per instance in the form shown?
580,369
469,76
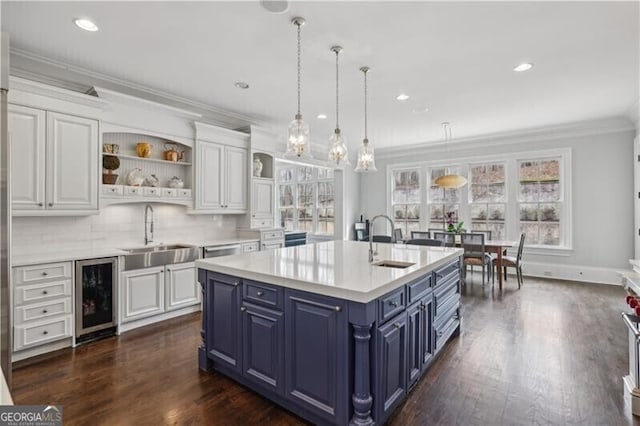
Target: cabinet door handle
44,311
397,325
235,283
44,274
338,309
45,292
45,332
168,270
394,304
40,204
50,204
260,294
243,309
440,333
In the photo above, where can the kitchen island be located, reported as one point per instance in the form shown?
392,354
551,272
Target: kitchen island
323,332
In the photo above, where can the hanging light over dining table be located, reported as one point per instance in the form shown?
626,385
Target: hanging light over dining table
449,181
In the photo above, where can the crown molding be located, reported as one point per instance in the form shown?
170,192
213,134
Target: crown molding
557,132
17,84
121,98
49,71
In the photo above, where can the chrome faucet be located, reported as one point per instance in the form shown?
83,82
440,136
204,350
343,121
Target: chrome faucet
371,234
148,237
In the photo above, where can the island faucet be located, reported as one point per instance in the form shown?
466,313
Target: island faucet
148,237
371,234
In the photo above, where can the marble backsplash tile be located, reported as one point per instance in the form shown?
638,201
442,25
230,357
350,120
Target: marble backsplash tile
116,226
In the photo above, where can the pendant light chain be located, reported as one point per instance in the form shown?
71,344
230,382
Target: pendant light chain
337,91
366,138
299,73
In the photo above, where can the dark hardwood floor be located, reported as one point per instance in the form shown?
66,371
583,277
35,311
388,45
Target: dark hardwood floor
551,353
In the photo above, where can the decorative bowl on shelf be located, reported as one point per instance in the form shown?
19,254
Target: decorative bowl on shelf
135,177
151,180
175,182
143,149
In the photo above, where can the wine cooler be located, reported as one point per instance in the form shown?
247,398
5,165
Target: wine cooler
96,298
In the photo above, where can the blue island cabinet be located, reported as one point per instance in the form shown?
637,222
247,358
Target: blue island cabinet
328,360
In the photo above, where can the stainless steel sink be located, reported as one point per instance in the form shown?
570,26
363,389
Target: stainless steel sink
147,257
393,264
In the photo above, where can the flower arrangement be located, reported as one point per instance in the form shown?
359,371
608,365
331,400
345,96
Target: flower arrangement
453,225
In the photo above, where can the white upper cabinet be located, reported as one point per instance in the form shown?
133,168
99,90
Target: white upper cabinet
27,139
221,170
262,202
72,162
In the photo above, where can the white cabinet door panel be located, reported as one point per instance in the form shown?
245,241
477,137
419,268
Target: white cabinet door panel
143,293
27,138
262,202
181,286
210,175
72,162
236,172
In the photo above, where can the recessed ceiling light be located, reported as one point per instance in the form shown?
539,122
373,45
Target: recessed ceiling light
525,66
85,24
402,97
275,6
241,85
321,116
420,110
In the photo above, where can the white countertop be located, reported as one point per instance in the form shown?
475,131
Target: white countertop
61,254
334,268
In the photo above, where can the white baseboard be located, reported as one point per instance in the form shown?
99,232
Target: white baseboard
587,274
122,328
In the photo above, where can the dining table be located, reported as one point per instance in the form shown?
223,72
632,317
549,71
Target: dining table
498,247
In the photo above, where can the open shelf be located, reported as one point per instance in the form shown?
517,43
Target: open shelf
153,160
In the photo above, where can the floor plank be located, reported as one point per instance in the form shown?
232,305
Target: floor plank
551,353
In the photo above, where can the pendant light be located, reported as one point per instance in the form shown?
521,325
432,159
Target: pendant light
366,157
298,142
450,181
338,154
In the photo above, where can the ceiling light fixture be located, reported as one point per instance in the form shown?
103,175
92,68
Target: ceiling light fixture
298,141
449,181
402,97
525,66
275,6
321,116
241,85
86,24
366,157
338,153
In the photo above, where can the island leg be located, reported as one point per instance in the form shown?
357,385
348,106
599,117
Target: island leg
362,399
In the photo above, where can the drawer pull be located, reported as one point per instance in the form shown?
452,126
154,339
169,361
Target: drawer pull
45,332
45,292
235,283
243,309
44,311
44,274
259,294
440,333
397,325
50,204
394,304
40,204
338,309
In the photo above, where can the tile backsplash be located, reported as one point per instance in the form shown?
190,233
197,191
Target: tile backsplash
117,227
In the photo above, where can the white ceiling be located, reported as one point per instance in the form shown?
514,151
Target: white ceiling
455,58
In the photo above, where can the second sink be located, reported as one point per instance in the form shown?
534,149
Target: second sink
147,257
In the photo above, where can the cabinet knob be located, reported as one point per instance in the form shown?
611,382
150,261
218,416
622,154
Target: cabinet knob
260,294
338,309
394,304
440,333
253,215
168,270
45,292
40,204
44,274
44,311
45,332
235,283
243,309
397,325
50,204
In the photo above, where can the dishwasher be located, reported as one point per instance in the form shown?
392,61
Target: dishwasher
222,250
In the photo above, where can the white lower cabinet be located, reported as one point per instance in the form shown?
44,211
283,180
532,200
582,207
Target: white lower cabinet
143,293
181,286
153,291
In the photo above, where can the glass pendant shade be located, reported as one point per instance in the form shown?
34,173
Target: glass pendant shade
338,153
366,158
298,145
451,181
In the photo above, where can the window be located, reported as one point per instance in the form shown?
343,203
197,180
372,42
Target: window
487,199
442,201
306,198
540,201
405,199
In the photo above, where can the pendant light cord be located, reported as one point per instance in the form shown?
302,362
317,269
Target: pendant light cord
298,25
365,107
337,92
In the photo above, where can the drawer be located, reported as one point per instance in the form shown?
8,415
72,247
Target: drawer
42,311
261,223
273,235
152,192
112,189
249,247
184,193
447,272
263,294
169,192
448,309
133,191
418,288
42,332
40,273
391,304
444,332
445,291
34,293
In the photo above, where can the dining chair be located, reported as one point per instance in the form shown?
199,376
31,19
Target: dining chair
487,234
512,262
381,239
475,254
448,238
425,242
420,234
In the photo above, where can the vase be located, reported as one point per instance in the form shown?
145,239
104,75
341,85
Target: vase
257,167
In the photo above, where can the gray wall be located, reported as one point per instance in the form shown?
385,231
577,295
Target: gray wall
602,190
